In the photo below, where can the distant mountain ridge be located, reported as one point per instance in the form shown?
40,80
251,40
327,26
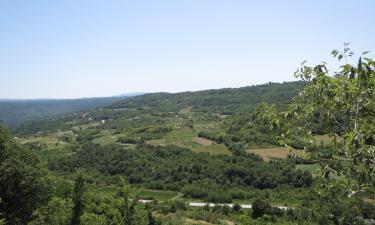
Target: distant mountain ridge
14,112
221,102
131,94
225,100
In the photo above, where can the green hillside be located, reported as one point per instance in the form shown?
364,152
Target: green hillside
225,101
15,112
202,108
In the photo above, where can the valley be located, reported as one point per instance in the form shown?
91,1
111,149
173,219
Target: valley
192,158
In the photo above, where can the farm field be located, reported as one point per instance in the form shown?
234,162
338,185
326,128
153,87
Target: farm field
323,139
216,149
308,167
181,137
159,195
271,153
48,140
203,141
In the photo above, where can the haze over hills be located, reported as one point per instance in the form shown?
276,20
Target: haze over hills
17,111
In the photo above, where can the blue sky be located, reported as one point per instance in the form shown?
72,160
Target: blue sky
71,48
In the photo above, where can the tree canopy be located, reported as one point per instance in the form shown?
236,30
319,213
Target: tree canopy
24,181
344,104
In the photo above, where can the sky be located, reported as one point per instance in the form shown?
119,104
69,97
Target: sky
86,48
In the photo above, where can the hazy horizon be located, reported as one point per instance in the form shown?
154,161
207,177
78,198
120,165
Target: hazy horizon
77,49
131,94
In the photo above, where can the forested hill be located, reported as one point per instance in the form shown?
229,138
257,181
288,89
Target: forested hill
15,112
228,101
225,101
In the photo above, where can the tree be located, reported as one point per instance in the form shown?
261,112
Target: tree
128,203
236,207
2,221
78,198
57,212
260,207
151,219
25,183
94,219
344,104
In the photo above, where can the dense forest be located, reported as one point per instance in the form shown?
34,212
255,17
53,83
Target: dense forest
173,167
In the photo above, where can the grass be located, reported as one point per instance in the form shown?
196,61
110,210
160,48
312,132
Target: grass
40,139
102,190
106,139
325,139
182,137
157,194
217,149
203,141
181,132
156,142
308,167
143,194
271,153
261,146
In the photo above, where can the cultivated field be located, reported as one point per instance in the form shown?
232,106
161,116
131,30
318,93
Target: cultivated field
203,141
308,167
271,153
325,139
216,149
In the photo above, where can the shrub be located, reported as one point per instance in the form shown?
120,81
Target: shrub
260,207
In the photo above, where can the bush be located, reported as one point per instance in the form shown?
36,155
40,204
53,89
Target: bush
260,207
177,205
276,211
236,207
194,191
219,197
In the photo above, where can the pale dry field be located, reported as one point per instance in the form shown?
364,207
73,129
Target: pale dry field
270,153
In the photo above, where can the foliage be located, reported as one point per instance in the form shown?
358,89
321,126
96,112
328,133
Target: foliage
78,198
56,212
129,201
260,207
151,219
2,221
345,104
172,168
25,183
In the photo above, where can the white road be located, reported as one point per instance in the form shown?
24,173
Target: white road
244,206
202,204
